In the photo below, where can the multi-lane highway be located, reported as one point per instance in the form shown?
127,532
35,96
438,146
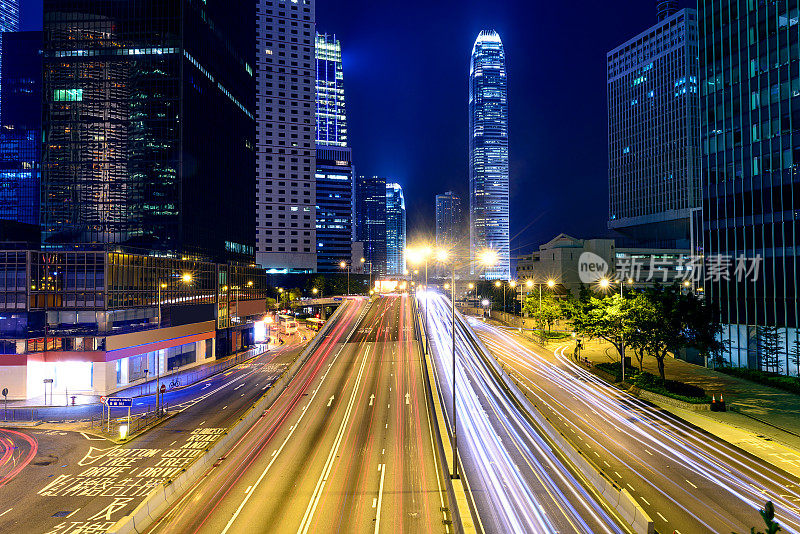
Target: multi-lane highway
348,447
77,482
514,478
687,480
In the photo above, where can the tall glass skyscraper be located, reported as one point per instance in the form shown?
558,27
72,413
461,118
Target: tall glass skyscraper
148,126
395,229
488,154
653,127
331,116
370,219
334,176
9,22
750,138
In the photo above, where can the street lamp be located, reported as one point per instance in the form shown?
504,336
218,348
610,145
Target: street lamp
346,264
185,278
443,256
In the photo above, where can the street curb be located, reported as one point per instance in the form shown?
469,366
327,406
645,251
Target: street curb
157,501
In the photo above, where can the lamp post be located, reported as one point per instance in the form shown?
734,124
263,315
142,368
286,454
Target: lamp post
346,264
186,278
513,285
487,258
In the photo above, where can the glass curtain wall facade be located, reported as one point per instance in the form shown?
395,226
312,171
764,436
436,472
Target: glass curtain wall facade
20,135
370,220
334,208
395,230
450,225
9,22
653,129
750,128
331,115
488,153
149,133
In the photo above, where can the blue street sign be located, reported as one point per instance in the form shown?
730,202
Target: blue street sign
119,402
337,299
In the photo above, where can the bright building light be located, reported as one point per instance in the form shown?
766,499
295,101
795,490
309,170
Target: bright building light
186,278
485,302
123,431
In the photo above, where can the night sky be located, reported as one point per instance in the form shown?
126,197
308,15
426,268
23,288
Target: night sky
406,68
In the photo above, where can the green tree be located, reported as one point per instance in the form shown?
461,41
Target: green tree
768,340
606,318
546,313
643,316
795,351
768,515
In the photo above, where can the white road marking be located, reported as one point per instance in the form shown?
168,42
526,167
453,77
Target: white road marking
648,452
323,478
4,513
692,485
248,489
371,398
330,400
645,501
382,469
616,473
407,398
239,386
374,502
224,406
662,517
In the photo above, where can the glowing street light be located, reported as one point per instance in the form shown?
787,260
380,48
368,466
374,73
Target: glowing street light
551,284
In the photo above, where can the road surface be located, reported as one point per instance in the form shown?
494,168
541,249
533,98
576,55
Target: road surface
515,480
687,480
90,483
348,448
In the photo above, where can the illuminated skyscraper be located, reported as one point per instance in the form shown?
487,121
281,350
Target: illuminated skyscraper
653,133
334,178
488,154
370,219
395,229
331,117
449,221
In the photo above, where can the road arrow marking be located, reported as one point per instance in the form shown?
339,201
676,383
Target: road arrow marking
371,398
330,400
407,396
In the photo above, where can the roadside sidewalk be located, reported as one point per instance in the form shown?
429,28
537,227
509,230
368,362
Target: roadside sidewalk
765,421
140,388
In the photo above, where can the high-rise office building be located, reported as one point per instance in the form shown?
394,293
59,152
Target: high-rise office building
488,154
450,225
334,207
370,220
9,22
286,148
149,132
334,176
20,128
395,230
750,134
653,133
331,116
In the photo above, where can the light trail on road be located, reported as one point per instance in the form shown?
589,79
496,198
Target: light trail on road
18,450
684,478
515,479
